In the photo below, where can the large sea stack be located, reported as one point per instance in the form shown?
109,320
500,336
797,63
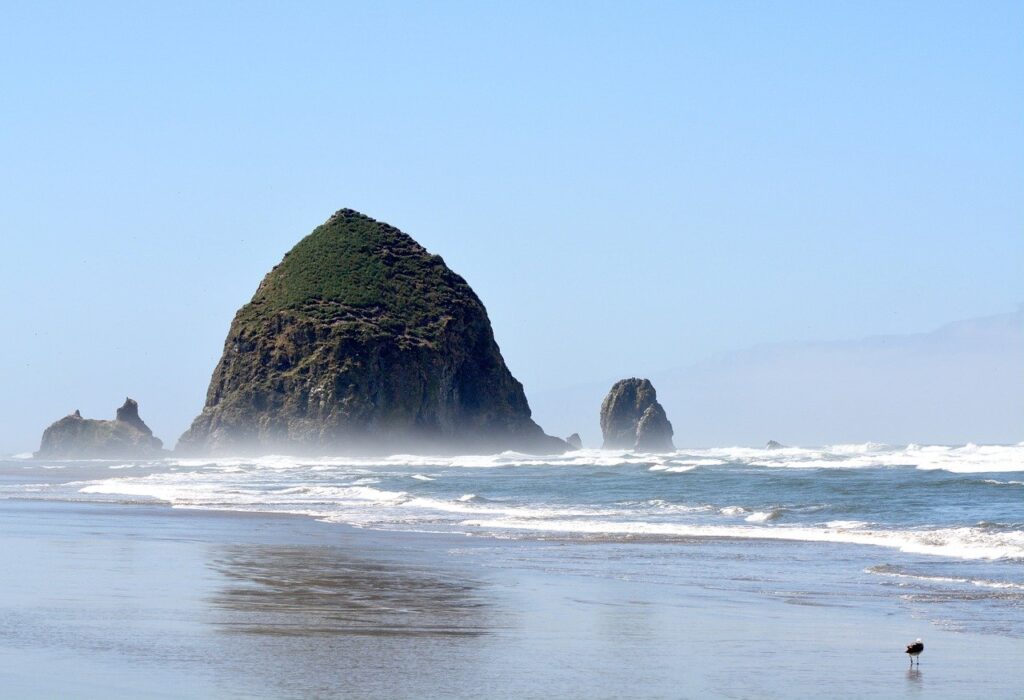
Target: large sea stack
632,418
360,341
75,437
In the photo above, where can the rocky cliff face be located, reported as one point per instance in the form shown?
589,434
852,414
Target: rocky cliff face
632,418
126,436
362,341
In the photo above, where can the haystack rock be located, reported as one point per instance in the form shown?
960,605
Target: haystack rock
632,418
127,436
361,341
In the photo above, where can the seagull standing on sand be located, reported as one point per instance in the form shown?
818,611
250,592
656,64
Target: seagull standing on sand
915,650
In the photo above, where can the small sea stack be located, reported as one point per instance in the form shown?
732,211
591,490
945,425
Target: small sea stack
125,437
632,418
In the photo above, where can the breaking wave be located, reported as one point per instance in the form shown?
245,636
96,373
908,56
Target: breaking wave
364,505
968,458
962,543
890,571
861,494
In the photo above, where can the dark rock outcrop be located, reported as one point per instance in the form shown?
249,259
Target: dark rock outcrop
129,413
575,441
74,437
772,445
361,341
632,418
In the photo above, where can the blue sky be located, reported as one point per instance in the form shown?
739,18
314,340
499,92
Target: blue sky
629,187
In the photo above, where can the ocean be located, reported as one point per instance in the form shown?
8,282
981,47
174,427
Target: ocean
934,530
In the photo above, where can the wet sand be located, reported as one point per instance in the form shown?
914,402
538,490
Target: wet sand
102,601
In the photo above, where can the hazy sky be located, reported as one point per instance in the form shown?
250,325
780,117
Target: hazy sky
629,187
963,382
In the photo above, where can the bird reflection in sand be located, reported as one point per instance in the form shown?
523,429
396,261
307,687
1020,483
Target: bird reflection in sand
291,590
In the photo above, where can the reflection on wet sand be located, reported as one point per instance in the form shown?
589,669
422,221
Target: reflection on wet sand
337,621
295,590
914,683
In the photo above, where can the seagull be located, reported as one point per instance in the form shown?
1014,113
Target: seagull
915,650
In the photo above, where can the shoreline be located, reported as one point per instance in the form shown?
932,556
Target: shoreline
112,600
881,539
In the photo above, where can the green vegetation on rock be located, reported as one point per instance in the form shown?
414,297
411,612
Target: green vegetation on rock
357,270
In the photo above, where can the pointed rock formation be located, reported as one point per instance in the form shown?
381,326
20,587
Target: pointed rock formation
632,418
361,341
574,441
129,413
74,437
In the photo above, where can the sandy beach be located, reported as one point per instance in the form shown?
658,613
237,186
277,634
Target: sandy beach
106,600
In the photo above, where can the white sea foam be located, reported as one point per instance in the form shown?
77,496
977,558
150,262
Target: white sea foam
155,492
347,503
673,470
763,516
662,506
963,543
678,465
847,524
968,458
422,477
199,493
983,583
